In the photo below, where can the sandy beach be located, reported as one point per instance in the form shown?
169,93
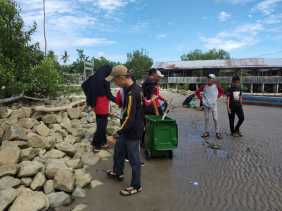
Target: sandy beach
244,175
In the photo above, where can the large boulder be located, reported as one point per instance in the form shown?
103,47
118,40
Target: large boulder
14,132
29,168
55,154
79,193
38,181
29,200
64,180
26,181
9,182
82,178
7,197
28,123
50,119
42,130
9,155
74,163
49,187
58,199
53,165
67,148
74,113
8,170
29,153
37,141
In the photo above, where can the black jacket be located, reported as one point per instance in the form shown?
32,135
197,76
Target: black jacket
132,124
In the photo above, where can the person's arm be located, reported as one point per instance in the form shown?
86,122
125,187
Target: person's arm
130,114
220,90
228,104
241,98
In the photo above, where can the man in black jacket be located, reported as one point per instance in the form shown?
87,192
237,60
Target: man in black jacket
131,131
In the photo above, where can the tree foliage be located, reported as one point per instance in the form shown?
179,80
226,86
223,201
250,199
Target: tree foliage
139,62
212,54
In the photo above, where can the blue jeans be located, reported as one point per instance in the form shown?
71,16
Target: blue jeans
132,148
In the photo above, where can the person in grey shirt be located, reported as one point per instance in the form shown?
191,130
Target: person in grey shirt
209,94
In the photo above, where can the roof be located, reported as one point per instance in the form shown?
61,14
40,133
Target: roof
220,64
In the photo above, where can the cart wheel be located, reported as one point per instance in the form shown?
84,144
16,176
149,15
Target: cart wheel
170,154
148,154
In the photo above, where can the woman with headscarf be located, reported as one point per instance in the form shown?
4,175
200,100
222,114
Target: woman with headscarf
98,96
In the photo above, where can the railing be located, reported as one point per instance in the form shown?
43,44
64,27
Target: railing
245,80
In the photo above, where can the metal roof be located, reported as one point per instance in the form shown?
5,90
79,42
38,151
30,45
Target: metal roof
220,64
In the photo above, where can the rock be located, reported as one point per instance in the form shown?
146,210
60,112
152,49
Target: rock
14,132
67,148
26,181
27,112
76,123
89,159
53,166
19,144
80,207
8,170
74,113
29,168
82,178
37,141
9,155
49,187
9,182
28,200
50,119
79,193
29,153
4,112
64,180
59,199
1,132
28,123
7,197
95,183
70,139
18,114
66,124
38,181
104,154
74,163
42,130
55,154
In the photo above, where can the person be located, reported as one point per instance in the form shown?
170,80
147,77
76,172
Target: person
210,94
98,95
130,134
234,106
154,103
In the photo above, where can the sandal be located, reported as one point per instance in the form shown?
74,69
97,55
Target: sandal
130,191
205,135
113,175
218,136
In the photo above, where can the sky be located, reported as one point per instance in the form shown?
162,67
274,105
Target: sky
166,29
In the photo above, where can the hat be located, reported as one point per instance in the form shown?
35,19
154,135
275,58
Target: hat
211,76
159,74
117,71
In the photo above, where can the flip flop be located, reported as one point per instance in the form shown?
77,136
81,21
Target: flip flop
130,191
113,175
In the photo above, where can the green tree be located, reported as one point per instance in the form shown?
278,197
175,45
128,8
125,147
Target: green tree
139,62
99,62
212,54
78,65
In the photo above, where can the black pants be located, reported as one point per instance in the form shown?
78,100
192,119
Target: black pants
100,138
238,110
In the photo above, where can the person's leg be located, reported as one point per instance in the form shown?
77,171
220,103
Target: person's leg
215,118
103,129
241,117
207,114
119,156
231,120
134,159
97,136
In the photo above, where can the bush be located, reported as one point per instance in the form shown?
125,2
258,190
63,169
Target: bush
45,79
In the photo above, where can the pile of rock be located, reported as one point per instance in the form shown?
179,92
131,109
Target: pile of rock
44,157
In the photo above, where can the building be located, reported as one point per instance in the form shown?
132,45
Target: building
257,75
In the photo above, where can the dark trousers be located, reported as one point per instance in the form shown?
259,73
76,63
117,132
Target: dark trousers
132,149
100,138
236,110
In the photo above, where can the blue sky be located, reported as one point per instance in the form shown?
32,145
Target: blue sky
166,29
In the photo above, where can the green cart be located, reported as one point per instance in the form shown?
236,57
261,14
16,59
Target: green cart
161,136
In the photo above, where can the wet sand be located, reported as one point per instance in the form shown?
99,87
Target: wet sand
245,175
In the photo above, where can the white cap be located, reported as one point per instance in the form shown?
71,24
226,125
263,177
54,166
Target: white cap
159,74
211,76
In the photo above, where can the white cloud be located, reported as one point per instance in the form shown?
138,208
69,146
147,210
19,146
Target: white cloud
161,36
267,6
224,16
112,57
109,5
242,36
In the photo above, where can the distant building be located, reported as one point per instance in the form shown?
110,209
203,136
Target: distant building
257,75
